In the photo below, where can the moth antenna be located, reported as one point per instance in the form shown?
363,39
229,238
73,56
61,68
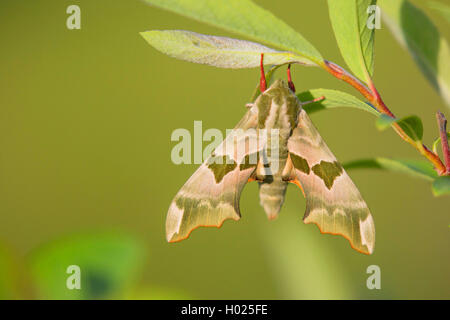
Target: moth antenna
291,84
262,81
312,101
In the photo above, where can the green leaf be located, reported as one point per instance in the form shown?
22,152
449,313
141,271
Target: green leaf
216,51
443,9
441,186
417,33
349,19
108,262
412,125
437,142
333,99
417,168
384,121
245,18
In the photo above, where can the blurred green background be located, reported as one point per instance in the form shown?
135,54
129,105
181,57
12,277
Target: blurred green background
85,123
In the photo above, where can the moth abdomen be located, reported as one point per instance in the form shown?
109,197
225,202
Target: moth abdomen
271,196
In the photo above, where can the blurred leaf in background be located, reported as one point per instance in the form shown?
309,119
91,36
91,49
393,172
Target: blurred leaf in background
110,264
418,34
442,8
297,260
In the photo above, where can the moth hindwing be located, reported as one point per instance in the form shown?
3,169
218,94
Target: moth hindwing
278,133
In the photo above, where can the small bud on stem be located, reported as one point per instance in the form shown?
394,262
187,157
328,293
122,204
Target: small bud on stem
315,100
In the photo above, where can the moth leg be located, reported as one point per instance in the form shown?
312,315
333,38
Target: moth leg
251,179
287,173
254,177
260,171
312,101
262,81
291,84
249,105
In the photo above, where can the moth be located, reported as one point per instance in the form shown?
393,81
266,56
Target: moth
300,156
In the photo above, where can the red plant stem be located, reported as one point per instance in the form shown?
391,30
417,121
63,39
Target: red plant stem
370,94
379,100
343,75
314,100
373,96
433,158
442,123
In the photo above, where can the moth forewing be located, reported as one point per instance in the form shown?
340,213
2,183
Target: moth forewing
333,202
244,145
211,195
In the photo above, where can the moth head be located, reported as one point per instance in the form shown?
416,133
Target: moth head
279,94
279,84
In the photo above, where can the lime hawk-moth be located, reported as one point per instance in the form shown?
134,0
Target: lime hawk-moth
212,194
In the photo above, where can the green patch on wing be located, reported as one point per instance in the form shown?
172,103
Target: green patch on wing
300,163
189,205
328,172
250,161
221,166
184,202
350,219
264,102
